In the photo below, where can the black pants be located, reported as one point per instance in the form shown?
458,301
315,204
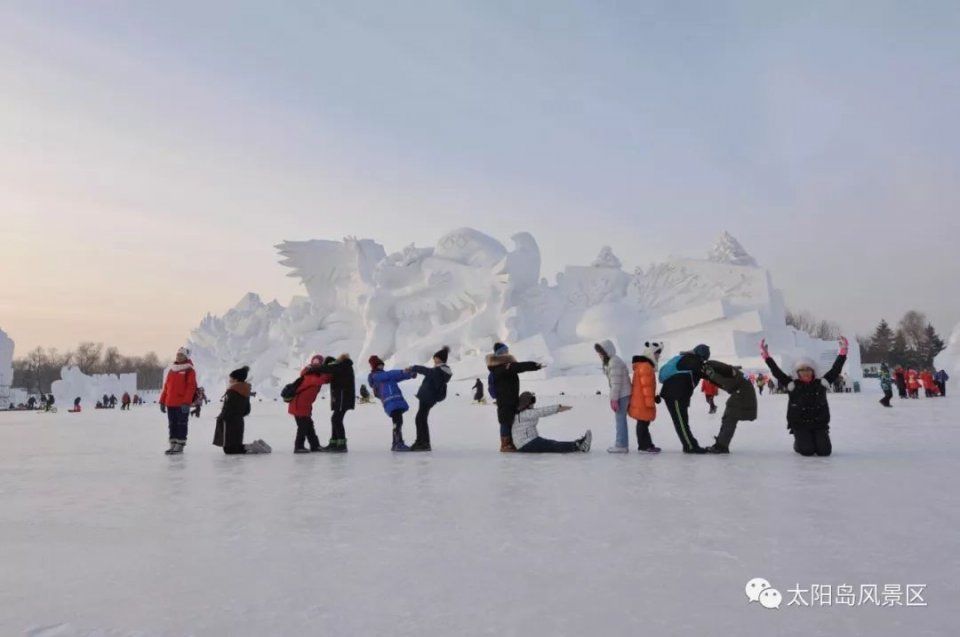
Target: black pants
306,433
423,426
506,412
943,387
887,396
728,427
337,432
812,442
644,441
902,390
713,405
544,445
681,422
397,418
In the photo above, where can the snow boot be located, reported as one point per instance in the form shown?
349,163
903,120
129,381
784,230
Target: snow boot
695,450
584,443
718,448
398,444
420,446
301,450
173,445
506,444
616,449
652,449
176,448
336,445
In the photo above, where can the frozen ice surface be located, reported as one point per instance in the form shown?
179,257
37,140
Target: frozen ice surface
101,534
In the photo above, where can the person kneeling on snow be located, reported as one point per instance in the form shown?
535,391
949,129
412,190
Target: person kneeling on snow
808,412
526,437
742,404
236,406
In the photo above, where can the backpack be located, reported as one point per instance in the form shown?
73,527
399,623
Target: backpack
669,369
491,389
289,391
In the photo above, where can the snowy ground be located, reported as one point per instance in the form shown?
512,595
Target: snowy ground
101,534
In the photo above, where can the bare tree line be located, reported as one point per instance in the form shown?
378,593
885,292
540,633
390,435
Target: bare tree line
36,371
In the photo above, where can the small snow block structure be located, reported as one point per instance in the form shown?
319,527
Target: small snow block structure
90,388
469,290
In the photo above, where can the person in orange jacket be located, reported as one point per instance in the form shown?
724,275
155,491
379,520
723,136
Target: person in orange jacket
179,391
710,392
643,402
913,383
301,407
930,388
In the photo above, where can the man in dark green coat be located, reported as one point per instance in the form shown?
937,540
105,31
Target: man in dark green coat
741,405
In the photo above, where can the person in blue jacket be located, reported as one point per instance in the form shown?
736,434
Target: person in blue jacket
386,387
941,378
432,390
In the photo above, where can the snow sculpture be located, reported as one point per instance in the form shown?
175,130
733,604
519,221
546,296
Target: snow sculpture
90,388
6,370
470,290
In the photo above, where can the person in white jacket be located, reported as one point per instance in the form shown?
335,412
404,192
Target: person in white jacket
618,376
526,437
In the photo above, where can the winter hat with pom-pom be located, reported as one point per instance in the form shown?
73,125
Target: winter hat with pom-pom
442,354
375,362
240,374
183,351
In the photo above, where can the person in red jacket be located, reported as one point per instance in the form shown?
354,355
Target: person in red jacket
301,407
930,388
913,383
710,392
179,390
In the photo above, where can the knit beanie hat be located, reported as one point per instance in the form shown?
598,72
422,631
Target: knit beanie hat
500,349
442,354
316,359
240,374
183,351
375,362
703,351
526,401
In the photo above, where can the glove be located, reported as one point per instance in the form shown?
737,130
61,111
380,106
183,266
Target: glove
163,408
185,409
657,399
844,345
614,405
764,350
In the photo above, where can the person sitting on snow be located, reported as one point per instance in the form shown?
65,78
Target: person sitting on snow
808,412
526,437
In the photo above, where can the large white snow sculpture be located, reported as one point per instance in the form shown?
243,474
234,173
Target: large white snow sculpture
90,388
6,370
470,290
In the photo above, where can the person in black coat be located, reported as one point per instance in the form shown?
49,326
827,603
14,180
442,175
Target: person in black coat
808,412
679,377
741,405
342,397
228,432
432,390
504,374
478,391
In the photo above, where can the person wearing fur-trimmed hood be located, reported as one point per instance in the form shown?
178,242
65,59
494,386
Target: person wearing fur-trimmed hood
228,432
176,398
808,412
432,390
618,378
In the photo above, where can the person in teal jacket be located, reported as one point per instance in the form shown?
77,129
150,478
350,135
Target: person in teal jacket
386,387
886,384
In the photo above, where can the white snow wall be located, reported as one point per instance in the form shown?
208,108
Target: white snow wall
6,369
949,359
470,290
90,388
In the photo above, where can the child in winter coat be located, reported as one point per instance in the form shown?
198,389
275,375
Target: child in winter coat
386,387
342,397
179,390
678,378
432,390
643,406
236,406
741,405
886,385
710,392
618,377
504,379
526,436
808,412
301,406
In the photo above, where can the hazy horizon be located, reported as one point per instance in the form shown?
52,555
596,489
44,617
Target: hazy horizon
153,155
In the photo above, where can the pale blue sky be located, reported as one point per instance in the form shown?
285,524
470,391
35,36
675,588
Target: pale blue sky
153,152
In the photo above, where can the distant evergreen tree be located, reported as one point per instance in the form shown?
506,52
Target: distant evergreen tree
899,353
930,346
881,342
